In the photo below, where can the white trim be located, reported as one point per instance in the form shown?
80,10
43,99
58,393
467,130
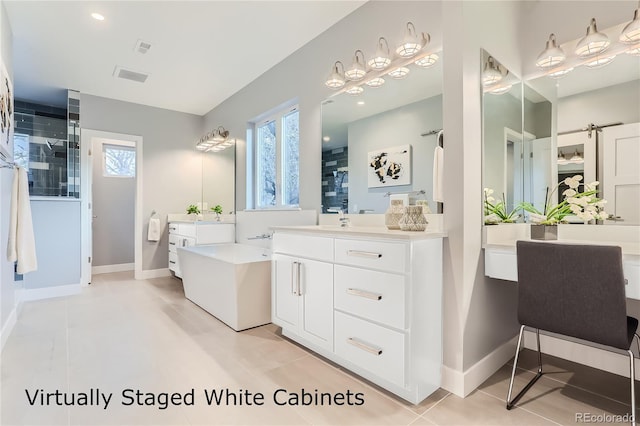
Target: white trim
153,273
582,354
49,292
106,269
86,138
463,383
7,328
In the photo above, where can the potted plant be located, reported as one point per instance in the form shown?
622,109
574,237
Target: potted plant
193,209
217,210
585,205
496,212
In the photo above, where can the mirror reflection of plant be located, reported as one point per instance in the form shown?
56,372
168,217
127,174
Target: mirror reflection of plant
584,205
217,209
495,211
193,209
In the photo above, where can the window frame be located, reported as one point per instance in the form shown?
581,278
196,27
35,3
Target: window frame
277,117
123,146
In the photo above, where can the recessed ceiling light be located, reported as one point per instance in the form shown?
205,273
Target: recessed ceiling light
97,16
360,102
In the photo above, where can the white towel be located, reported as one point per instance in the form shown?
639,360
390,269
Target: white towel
21,246
438,170
154,229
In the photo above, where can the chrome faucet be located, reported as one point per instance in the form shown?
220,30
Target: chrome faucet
345,222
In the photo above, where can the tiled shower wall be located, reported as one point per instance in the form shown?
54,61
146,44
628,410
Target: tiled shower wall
335,179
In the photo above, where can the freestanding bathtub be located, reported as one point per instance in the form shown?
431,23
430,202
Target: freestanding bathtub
230,281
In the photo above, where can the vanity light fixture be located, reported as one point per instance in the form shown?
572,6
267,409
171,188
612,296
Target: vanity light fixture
491,74
97,16
355,90
410,43
398,73
501,90
562,160
576,158
593,43
600,61
357,70
631,32
560,73
635,51
336,78
382,58
427,61
215,140
552,55
375,82
326,138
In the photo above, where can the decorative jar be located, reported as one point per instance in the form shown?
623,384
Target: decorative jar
394,214
413,219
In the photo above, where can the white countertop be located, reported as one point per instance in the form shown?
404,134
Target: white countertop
363,231
628,248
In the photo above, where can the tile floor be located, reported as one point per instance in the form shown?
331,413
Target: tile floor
144,335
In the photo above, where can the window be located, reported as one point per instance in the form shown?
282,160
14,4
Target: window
119,160
276,160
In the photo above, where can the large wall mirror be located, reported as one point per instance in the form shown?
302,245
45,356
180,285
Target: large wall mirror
401,118
218,180
598,131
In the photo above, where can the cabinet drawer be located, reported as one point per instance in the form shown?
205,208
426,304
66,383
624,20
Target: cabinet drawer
174,241
309,246
388,256
377,296
371,347
173,261
186,229
215,233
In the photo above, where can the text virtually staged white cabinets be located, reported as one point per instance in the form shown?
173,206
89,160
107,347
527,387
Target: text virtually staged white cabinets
369,301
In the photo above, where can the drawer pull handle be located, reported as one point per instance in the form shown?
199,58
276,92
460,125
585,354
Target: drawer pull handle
364,347
172,262
368,254
365,294
172,244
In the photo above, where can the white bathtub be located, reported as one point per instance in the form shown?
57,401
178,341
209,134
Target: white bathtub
230,281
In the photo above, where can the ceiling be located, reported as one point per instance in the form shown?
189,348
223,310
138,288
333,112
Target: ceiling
201,52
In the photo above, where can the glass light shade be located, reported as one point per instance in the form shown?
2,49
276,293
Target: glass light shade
410,44
336,78
375,82
355,90
561,159
631,32
634,51
576,158
491,74
201,147
552,55
593,43
357,70
427,61
382,58
560,73
501,90
398,73
600,61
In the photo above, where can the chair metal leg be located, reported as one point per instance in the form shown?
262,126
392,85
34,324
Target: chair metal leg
512,402
633,387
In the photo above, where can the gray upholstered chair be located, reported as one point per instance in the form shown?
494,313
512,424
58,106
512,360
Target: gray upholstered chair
577,291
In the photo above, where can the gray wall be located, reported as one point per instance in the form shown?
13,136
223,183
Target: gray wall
400,126
300,77
172,168
56,226
7,286
114,205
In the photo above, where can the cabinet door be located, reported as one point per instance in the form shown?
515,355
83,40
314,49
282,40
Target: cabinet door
316,288
285,301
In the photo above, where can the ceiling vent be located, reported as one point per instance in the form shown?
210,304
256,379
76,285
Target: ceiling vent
142,46
120,72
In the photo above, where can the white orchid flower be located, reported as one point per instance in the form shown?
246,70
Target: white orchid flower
537,218
569,193
591,186
573,182
575,209
488,191
491,200
601,203
491,218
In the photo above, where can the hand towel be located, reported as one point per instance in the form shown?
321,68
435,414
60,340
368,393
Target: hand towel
153,233
438,176
21,247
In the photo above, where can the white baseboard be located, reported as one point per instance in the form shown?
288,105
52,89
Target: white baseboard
463,383
153,273
106,269
7,328
582,354
49,292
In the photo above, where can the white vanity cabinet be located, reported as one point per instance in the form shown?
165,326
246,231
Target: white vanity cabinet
186,234
302,287
377,295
